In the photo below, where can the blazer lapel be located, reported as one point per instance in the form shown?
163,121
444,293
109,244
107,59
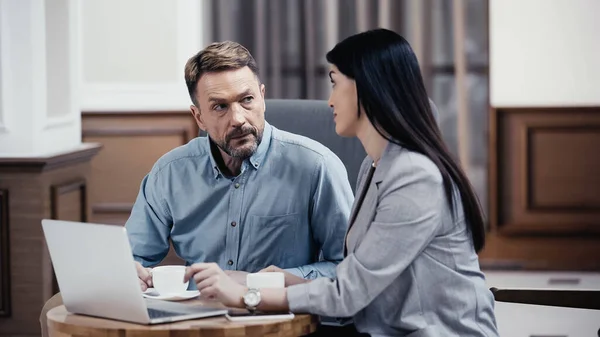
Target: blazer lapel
365,205
363,189
364,216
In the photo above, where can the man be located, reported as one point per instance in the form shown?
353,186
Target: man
248,195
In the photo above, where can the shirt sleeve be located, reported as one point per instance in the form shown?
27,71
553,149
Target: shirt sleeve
330,209
406,220
149,224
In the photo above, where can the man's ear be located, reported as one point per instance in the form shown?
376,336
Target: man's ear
262,93
197,117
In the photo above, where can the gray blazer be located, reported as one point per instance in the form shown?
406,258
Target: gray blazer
410,269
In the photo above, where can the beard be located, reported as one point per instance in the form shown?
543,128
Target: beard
249,145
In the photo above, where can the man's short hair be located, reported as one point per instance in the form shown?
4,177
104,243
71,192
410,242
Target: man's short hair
218,56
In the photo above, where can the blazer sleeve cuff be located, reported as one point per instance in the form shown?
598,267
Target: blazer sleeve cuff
297,296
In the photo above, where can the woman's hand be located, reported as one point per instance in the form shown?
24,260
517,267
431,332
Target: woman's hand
214,284
290,279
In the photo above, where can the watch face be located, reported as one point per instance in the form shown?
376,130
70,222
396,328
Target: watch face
252,298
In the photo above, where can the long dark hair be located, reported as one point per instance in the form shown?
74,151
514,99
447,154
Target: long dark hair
390,89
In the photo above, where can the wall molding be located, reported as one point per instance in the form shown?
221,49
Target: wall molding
5,289
138,131
112,207
132,132
82,153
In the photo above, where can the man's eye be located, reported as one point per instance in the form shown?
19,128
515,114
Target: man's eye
247,99
220,107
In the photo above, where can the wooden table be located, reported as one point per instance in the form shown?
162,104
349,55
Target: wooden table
61,323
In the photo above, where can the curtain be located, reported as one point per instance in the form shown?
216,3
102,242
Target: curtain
289,40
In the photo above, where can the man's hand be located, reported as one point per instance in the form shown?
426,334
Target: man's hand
290,279
214,284
144,275
237,275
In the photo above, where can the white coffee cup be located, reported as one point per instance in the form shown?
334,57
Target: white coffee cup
169,279
265,280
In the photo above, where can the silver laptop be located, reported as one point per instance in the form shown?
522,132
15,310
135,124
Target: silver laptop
96,275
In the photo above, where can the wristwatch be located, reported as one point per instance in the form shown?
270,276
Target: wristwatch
252,299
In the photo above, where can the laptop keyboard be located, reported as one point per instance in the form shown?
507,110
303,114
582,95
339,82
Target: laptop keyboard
155,313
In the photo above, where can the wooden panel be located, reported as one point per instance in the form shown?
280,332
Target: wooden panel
552,183
119,169
27,265
543,182
546,160
68,201
567,253
31,200
133,142
111,213
4,256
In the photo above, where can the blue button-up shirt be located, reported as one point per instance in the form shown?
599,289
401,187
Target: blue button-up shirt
288,207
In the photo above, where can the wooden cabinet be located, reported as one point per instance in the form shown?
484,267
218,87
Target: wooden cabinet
32,189
544,185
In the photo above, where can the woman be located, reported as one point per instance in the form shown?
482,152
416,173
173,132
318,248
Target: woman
411,267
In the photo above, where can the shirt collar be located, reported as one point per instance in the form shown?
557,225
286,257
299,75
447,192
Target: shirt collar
256,160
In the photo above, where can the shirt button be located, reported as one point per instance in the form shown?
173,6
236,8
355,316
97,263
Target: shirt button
230,262
237,185
233,224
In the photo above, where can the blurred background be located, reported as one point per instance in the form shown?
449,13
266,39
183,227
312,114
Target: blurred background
289,40
92,94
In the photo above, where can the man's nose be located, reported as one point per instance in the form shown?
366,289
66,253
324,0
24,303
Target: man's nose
238,115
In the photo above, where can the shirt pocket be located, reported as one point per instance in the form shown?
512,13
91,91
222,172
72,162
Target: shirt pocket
274,240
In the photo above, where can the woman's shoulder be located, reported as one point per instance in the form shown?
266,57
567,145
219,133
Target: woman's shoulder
406,165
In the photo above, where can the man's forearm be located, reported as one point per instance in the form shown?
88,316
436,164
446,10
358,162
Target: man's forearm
314,270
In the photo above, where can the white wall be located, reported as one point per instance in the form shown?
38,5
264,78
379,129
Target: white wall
2,127
39,77
58,57
544,53
134,52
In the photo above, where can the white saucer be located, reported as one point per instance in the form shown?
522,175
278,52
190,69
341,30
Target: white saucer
153,294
